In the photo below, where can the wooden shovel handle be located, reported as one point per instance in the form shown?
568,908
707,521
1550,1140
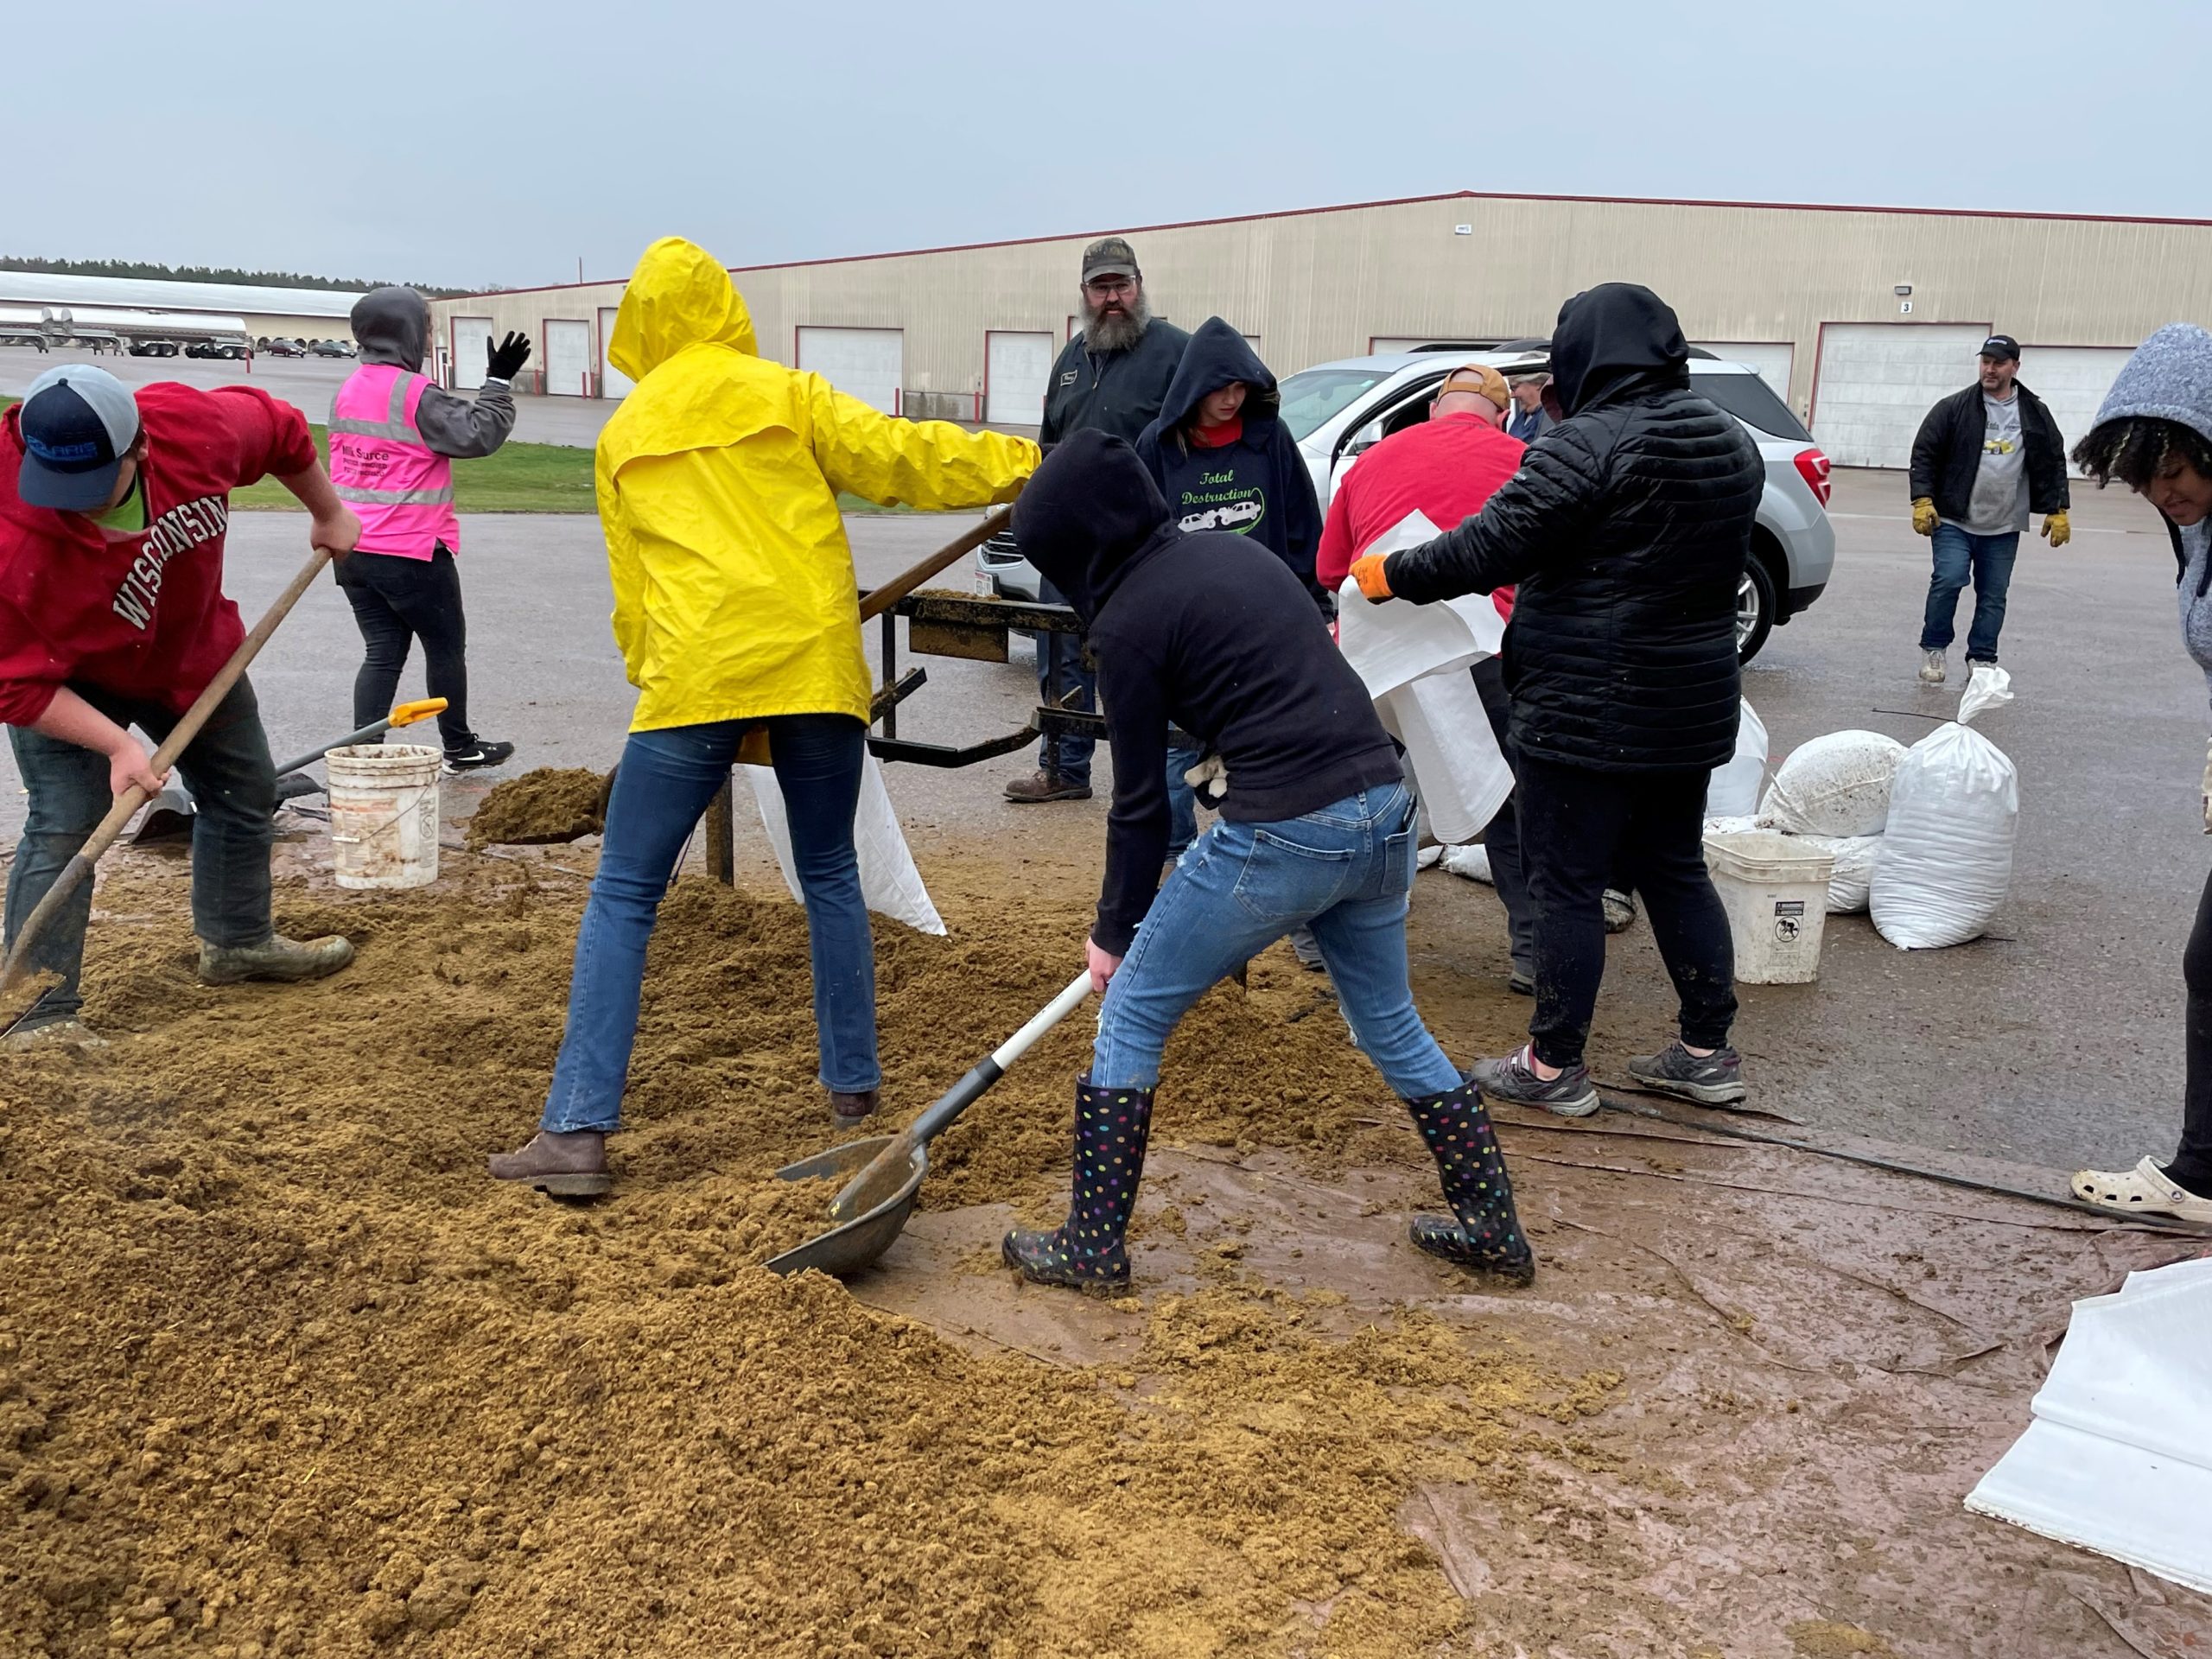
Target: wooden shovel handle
74,872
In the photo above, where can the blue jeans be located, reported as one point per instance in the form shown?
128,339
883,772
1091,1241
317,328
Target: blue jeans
1182,802
1059,669
233,784
666,780
1346,871
1988,560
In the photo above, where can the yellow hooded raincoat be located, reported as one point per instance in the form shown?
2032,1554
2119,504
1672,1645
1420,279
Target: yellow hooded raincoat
717,482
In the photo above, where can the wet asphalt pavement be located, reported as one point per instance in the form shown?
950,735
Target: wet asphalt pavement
2056,1040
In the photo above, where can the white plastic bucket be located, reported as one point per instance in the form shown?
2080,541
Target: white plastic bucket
1775,889
384,814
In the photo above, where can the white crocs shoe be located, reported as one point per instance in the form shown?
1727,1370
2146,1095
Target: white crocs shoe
2142,1190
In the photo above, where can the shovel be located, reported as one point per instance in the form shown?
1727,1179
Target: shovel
875,1203
79,870
171,814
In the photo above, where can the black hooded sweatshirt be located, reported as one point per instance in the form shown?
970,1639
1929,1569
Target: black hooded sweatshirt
1626,529
1257,487
1205,631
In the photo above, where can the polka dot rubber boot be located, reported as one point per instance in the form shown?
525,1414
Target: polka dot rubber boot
1483,1233
1086,1253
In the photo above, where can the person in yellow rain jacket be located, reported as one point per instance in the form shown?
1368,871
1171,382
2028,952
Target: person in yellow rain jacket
734,606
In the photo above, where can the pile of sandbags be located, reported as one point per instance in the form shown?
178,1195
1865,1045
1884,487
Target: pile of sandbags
1834,791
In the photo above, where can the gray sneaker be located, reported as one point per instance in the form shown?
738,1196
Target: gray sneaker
1932,671
1509,1080
1714,1079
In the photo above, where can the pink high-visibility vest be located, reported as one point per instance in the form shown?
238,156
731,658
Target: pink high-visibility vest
402,492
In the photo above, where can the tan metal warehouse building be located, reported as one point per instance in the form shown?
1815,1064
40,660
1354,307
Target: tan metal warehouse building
1860,316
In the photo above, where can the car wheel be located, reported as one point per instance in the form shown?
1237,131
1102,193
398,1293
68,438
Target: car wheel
1755,609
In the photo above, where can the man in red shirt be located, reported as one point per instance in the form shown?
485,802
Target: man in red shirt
1445,469
113,510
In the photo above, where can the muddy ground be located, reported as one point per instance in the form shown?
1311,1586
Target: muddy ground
282,1374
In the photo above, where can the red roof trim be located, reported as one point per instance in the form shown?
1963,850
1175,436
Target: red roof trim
1407,201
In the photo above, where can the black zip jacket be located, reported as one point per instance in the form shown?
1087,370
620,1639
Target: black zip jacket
1947,453
1626,530
1206,632
1257,487
1114,392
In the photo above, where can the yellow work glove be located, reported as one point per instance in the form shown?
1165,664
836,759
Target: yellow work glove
1923,516
2056,530
1373,581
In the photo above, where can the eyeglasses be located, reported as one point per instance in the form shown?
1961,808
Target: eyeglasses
1106,288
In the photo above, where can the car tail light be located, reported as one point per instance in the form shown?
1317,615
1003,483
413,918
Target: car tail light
1814,467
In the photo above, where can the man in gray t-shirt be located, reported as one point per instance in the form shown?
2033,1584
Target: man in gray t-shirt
1984,458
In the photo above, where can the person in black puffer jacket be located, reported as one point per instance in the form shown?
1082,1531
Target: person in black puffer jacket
1626,530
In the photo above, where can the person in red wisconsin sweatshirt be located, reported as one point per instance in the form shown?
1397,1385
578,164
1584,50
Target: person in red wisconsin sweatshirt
113,509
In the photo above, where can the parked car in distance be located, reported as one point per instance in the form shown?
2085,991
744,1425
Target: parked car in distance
330,348
19,334
1337,410
279,347
155,347
234,349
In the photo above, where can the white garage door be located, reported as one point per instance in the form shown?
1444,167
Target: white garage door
1016,368
868,364
2071,380
567,356
472,336
613,383
1876,381
1771,359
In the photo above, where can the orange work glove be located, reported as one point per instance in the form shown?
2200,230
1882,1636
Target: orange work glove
1373,579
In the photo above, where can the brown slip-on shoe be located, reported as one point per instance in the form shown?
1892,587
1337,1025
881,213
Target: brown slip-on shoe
854,1107
1040,786
562,1166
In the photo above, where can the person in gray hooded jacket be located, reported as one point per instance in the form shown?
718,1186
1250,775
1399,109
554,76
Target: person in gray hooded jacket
2154,435
400,597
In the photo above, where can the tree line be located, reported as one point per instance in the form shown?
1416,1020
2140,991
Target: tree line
204,274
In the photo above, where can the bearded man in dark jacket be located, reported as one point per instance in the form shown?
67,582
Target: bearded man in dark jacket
1626,529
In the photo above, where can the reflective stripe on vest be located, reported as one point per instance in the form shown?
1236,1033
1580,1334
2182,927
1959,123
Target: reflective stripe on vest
400,488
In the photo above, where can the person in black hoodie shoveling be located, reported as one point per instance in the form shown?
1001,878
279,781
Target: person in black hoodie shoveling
1213,634
1225,461
1626,529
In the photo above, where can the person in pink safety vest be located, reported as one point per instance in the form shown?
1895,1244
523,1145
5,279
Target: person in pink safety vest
394,438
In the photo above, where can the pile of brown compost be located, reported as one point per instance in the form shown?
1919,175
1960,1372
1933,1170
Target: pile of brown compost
553,804
282,1373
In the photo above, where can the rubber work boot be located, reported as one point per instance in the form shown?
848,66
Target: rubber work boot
1040,786
1513,1079
852,1107
561,1165
1484,1232
276,958
56,1033
1086,1252
1714,1079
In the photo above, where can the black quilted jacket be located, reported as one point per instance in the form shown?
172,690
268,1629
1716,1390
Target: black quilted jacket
1625,531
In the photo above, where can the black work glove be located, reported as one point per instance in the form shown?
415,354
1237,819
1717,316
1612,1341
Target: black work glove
504,361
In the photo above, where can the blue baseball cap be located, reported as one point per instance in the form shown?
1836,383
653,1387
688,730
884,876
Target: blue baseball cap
78,422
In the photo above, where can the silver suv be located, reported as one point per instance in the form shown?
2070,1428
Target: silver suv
1336,411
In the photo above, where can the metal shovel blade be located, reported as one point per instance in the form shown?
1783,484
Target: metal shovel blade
860,1241
169,816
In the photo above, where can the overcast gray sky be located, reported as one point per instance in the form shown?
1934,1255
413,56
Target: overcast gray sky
476,143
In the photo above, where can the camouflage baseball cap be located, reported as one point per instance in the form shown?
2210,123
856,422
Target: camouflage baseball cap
1111,256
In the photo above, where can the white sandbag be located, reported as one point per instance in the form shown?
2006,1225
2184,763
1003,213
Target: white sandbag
1393,644
1733,791
1851,885
1472,862
1838,785
889,881
1954,807
1457,766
